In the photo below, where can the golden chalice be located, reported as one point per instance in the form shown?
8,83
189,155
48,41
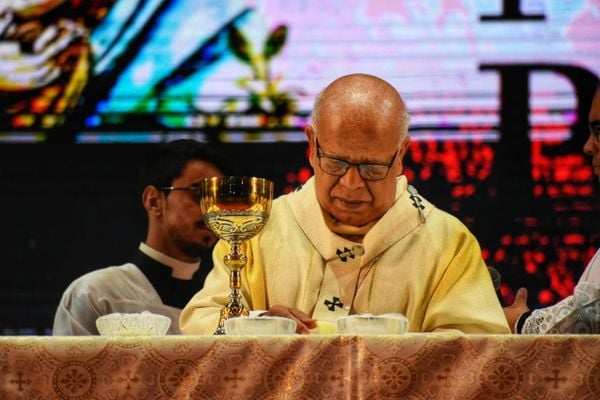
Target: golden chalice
235,209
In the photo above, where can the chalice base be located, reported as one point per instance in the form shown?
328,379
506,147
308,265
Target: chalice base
230,311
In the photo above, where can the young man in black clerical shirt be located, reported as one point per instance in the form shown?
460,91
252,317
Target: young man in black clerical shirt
169,267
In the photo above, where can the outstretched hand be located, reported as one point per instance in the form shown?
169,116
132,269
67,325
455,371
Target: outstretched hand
516,309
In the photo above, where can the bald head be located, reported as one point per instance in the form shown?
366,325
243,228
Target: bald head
363,99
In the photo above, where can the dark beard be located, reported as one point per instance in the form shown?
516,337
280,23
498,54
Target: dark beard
196,249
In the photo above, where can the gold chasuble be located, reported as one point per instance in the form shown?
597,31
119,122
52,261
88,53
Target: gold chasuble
416,260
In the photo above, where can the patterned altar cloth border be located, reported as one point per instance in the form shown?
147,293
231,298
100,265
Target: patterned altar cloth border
412,366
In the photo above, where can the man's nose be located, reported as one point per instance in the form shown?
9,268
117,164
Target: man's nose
588,145
352,179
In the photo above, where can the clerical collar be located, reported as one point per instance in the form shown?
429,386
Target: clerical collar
181,270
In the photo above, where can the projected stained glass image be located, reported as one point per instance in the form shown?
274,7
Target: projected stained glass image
140,67
159,66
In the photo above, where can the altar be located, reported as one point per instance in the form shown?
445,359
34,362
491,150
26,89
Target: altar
411,366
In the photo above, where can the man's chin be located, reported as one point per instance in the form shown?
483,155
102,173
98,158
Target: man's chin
196,250
350,218
200,247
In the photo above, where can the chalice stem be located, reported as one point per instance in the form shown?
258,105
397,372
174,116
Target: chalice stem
236,307
235,261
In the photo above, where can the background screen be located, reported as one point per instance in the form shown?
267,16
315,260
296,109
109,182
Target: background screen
498,94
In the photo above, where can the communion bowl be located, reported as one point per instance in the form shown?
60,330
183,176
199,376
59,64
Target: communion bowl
367,324
259,326
133,324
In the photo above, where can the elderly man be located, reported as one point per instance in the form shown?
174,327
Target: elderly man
356,238
580,312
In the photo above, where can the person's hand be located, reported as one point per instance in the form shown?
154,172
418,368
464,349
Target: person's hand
516,309
303,322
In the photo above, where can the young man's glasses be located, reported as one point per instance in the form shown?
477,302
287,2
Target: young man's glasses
367,171
193,189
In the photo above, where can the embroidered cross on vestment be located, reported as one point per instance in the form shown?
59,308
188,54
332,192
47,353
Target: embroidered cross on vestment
331,305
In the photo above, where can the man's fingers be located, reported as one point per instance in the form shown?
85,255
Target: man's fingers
521,296
303,322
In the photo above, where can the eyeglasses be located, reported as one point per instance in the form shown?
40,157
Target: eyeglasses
367,171
595,129
194,189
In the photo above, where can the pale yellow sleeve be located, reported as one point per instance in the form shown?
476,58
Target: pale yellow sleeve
201,314
464,298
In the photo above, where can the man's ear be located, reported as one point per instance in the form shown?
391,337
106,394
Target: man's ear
404,144
310,136
153,200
